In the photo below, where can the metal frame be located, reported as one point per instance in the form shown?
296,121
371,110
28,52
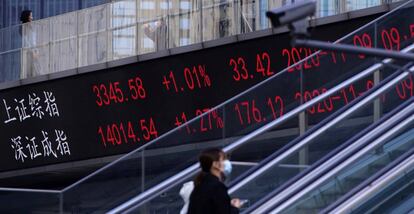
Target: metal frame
375,186
168,183
367,183
386,136
301,144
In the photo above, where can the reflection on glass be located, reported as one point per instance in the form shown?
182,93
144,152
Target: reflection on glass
126,28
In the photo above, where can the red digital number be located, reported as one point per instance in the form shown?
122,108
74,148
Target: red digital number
101,133
289,62
106,99
405,88
131,133
363,41
245,109
321,107
278,102
260,59
99,101
296,55
148,129
137,89
239,69
118,92
115,94
391,39
202,119
181,120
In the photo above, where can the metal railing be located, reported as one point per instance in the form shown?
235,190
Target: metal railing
128,28
322,169
376,186
153,192
390,133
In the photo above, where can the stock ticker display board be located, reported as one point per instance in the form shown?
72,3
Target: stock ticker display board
116,110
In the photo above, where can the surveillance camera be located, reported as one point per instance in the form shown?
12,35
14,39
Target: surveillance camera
291,13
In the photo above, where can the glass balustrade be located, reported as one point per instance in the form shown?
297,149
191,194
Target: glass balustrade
128,28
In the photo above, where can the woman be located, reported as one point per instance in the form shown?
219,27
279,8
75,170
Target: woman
26,16
210,194
31,58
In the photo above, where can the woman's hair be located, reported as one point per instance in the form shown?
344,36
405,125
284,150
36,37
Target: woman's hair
24,16
206,159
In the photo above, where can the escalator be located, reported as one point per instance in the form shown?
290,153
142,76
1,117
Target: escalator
388,191
398,200
164,198
240,141
283,164
394,145
275,174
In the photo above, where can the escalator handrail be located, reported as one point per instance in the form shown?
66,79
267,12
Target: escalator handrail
179,177
129,154
367,183
248,173
328,156
27,190
322,178
379,183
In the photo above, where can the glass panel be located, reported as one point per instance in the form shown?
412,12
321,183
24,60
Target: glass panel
218,19
64,26
162,24
92,48
122,13
355,173
64,55
109,187
36,33
11,66
153,26
185,23
396,197
358,4
249,15
93,38
10,38
152,35
11,41
36,37
328,7
92,19
35,61
64,48
122,35
122,42
316,149
22,201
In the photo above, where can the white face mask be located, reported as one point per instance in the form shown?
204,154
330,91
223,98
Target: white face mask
227,168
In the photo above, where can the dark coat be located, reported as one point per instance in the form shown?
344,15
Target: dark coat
211,197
